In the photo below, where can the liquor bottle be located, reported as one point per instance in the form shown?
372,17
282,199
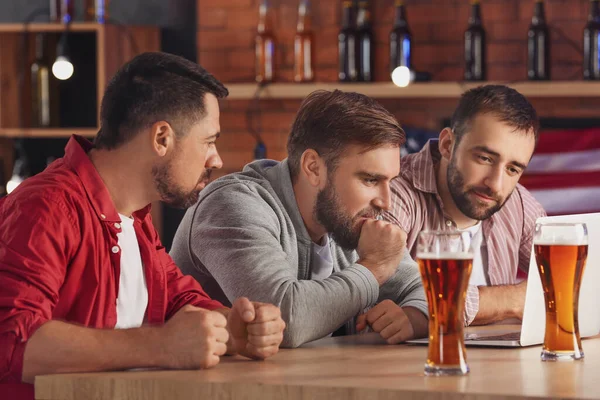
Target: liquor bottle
303,45
96,10
40,85
265,44
591,43
538,45
347,70
61,11
364,37
400,40
475,60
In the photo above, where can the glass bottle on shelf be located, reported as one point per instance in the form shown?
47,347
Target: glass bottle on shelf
61,11
475,60
40,85
303,45
400,40
538,45
591,43
364,36
347,69
265,44
96,10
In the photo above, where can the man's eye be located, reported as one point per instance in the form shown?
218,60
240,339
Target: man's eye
485,159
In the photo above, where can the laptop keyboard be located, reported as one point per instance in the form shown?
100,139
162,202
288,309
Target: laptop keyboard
506,336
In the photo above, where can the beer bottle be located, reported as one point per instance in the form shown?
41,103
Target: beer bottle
400,40
364,36
591,45
475,46
347,70
538,46
265,44
303,45
44,92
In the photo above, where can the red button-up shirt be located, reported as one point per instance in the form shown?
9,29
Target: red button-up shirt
60,259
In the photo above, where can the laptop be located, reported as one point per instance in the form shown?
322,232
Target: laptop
532,329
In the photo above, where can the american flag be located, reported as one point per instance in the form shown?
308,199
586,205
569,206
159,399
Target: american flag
564,172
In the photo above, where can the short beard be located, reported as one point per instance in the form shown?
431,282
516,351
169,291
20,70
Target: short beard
172,194
343,229
460,195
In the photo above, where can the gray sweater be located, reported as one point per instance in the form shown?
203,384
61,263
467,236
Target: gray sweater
246,237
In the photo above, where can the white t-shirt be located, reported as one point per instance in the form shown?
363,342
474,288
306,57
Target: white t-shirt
479,273
322,262
132,300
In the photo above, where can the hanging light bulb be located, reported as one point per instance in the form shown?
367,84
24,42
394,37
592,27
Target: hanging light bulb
62,68
402,76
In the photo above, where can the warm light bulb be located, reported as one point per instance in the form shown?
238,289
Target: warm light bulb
13,183
62,68
401,76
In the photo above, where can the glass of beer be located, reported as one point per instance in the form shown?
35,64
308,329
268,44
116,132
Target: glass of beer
561,252
445,260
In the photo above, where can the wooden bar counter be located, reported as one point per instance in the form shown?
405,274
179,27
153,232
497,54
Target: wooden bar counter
354,367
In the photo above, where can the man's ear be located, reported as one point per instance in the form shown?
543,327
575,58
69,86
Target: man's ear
446,143
162,138
313,167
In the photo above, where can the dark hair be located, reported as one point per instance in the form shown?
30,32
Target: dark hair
154,87
505,103
329,121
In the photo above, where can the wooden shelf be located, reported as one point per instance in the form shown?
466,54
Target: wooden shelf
415,90
47,132
51,27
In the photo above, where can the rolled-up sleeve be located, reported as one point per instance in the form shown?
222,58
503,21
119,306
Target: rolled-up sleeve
471,304
35,242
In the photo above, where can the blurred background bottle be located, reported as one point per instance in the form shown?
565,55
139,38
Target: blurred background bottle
347,69
96,10
475,60
265,44
366,45
400,40
303,45
538,45
61,11
591,43
44,93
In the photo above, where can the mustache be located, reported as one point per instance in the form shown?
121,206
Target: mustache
486,192
373,213
205,176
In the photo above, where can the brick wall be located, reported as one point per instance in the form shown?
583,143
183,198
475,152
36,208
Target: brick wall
226,30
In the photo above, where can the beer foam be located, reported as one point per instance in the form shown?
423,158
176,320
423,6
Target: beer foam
562,242
445,256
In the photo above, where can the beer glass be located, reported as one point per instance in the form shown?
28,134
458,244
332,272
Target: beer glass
445,260
561,252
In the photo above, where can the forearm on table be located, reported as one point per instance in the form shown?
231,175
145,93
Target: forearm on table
497,303
59,347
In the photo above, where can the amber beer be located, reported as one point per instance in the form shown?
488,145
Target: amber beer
265,44
561,268
445,279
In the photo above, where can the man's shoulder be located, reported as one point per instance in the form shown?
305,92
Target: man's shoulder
524,203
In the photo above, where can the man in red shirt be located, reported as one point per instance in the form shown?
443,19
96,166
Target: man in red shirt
85,284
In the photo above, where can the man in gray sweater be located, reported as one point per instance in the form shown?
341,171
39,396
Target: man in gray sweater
304,233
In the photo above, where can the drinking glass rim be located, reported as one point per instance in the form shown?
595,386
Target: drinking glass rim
560,224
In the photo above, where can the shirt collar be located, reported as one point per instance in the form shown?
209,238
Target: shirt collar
423,167
76,157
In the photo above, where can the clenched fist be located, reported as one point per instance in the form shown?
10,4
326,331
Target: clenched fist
380,248
193,338
256,329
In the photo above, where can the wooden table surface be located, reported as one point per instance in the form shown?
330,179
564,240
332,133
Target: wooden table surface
355,367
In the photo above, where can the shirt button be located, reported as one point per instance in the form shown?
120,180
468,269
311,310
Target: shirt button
117,225
448,222
102,216
115,249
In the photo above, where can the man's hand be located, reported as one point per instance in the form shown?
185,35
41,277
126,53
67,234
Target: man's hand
380,248
256,329
193,338
394,323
